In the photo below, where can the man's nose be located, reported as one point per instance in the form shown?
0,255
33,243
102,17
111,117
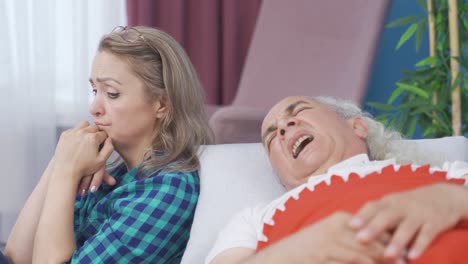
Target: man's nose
284,124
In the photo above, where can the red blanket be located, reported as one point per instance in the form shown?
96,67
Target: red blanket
312,206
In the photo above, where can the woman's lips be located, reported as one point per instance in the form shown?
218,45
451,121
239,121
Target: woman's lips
101,126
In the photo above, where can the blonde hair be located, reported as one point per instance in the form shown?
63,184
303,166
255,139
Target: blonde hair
165,70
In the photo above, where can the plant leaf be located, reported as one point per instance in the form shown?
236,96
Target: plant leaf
395,94
422,4
422,26
412,127
442,122
401,21
381,106
407,35
427,61
414,89
421,110
457,81
427,131
439,17
465,87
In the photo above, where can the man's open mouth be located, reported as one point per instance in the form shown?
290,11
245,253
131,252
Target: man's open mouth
300,144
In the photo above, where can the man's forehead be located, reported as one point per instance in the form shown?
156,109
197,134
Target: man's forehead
282,107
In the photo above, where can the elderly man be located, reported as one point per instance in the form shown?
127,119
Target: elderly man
319,144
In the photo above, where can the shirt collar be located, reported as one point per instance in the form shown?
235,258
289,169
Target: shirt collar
360,159
357,160
351,164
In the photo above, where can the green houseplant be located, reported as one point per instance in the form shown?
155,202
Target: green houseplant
434,95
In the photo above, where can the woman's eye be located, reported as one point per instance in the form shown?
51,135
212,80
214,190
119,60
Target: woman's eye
94,91
113,95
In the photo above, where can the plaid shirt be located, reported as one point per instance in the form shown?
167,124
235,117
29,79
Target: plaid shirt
137,220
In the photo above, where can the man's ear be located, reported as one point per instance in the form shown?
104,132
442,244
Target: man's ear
161,106
360,127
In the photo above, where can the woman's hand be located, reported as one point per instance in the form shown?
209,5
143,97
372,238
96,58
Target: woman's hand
92,182
78,149
421,214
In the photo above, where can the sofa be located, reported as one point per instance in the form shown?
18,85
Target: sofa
235,176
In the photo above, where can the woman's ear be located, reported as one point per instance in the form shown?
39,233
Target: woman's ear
161,106
359,126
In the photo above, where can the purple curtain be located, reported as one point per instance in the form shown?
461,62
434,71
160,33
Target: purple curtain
215,33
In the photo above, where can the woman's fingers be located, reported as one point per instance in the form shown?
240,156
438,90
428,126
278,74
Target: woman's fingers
84,185
108,179
101,176
106,150
101,136
93,182
82,124
97,179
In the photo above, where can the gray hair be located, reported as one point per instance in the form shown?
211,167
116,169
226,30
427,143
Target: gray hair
382,143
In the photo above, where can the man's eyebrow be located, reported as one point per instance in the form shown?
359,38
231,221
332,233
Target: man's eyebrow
288,111
104,79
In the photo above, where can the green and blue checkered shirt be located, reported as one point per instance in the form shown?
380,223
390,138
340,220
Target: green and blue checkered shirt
137,220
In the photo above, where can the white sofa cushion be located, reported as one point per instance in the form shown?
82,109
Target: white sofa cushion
235,176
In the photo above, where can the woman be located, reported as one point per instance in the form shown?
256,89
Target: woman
148,107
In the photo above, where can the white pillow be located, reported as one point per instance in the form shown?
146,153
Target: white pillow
232,177
235,176
450,148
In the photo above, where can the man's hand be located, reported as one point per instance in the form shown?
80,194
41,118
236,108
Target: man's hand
419,215
333,241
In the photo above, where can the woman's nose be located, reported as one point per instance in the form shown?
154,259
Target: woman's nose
96,108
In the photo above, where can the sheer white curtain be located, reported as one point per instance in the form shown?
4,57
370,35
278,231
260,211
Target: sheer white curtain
46,50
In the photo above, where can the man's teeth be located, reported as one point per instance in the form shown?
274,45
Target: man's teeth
297,144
